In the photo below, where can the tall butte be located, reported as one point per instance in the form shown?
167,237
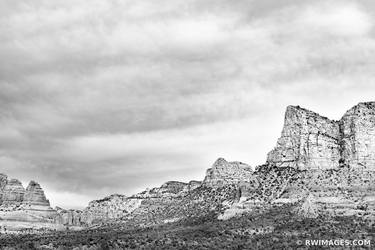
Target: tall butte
310,141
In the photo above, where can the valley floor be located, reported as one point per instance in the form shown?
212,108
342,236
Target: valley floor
277,228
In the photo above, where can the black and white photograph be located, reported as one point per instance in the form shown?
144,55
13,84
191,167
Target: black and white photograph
187,124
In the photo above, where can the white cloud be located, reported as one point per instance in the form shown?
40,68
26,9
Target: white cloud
338,19
191,141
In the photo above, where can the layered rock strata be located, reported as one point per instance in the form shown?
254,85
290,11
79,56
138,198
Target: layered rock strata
34,195
13,192
357,129
310,141
24,205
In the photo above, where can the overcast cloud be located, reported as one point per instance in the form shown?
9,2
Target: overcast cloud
113,96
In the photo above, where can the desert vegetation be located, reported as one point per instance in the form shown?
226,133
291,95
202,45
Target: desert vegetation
277,228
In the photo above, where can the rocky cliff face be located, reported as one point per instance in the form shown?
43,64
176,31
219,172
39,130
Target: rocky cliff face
311,141
69,217
357,129
308,141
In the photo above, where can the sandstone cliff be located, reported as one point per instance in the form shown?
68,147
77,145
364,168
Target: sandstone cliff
357,130
308,141
311,141
24,205
34,195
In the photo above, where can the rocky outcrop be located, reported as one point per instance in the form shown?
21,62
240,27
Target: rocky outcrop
109,208
172,187
357,129
69,217
13,193
193,185
34,195
24,206
3,181
308,141
168,189
329,162
223,173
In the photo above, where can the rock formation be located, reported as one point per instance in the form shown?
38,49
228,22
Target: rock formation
26,206
311,141
111,207
308,141
13,193
69,217
357,130
224,173
35,195
3,181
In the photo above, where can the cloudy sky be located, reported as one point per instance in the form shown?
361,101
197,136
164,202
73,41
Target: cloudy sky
113,96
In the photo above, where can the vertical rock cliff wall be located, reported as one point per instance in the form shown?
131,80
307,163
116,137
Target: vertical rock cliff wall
308,141
358,135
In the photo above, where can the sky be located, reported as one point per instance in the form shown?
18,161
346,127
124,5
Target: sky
113,96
